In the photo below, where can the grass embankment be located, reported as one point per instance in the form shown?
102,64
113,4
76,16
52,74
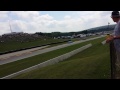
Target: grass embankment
92,63
13,45
4,47
16,66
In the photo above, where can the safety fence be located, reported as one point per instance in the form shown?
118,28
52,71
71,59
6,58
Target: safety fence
49,62
113,60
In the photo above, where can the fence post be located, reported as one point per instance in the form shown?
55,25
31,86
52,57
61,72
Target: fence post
113,60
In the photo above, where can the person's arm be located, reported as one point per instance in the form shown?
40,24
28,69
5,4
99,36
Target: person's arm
109,39
116,37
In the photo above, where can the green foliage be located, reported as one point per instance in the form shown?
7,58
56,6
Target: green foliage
12,67
92,63
19,45
91,30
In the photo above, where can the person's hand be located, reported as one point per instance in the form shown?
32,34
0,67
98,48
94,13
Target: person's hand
109,39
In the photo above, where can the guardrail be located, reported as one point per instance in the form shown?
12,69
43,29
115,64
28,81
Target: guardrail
49,62
113,60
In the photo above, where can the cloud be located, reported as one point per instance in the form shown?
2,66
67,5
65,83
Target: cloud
25,14
34,21
19,26
3,16
4,28
67,17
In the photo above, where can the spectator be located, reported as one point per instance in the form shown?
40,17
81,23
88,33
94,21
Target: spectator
115,15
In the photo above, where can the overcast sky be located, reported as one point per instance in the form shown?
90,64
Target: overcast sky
52,21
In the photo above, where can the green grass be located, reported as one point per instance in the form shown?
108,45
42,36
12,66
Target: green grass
14,45
13,67
88,37
92,63
18,45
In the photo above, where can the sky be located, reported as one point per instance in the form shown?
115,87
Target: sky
52,21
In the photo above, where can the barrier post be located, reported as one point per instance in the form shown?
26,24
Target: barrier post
113,60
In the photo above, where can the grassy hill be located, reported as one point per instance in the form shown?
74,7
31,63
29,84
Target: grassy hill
92,63
16,66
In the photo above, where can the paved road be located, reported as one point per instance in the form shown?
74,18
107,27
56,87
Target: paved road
16,55
7,58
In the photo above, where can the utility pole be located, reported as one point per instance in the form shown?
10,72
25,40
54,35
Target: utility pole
10,26
108,26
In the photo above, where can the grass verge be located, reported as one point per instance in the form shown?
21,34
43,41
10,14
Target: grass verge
92,63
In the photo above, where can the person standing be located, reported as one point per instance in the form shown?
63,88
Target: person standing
115,15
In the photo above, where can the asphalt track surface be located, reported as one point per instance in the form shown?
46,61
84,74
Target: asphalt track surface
11,57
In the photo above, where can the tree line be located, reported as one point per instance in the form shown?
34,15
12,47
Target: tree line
91,30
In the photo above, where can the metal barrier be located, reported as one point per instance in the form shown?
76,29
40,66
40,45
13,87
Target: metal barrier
113,60
49,62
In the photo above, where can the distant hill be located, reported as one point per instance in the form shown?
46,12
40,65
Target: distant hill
102,28
91,30
97,29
